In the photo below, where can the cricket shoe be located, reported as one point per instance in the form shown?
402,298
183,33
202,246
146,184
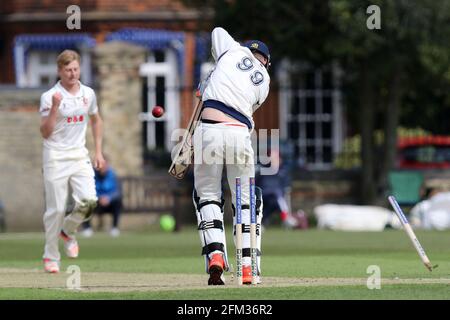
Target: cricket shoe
215,270
51,266
70,245
290,223
114,232
87,233
247,275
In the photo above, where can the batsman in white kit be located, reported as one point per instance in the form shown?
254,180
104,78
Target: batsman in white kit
65,111
237,87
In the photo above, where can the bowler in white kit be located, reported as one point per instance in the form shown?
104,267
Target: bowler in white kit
67,169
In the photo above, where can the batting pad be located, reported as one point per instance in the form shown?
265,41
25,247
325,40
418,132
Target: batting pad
211,229
82,212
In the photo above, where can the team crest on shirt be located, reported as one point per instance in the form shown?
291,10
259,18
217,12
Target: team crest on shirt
85,102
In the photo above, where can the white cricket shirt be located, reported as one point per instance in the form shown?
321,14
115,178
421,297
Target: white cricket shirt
239,80
72,118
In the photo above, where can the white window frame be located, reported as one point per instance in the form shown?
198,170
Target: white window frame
285,100
36,69
30,75
167,69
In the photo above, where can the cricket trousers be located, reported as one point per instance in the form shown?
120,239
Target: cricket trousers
72,172
217,146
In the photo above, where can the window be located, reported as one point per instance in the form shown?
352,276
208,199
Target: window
41,68
160,89
42,71
35,57
311,113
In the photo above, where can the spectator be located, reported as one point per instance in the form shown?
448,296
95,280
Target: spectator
109,199
275,188
433,212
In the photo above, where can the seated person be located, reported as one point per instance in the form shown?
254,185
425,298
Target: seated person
109,195
433,212
275,197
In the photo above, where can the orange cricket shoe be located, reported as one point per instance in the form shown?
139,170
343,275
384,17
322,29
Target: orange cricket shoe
247,275
51,266
215,270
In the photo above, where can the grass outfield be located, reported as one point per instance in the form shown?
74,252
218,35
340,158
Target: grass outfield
296,265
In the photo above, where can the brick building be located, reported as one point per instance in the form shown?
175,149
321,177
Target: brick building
30,30
137,54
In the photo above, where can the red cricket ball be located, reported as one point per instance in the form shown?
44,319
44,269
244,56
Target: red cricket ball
157,111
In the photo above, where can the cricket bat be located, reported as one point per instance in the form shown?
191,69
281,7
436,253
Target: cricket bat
185,149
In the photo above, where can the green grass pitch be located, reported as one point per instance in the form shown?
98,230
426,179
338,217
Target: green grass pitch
296,265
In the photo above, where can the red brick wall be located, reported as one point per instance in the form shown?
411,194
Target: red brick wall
187,93
266,117
100,5
138,5
99,29
7,35
15,6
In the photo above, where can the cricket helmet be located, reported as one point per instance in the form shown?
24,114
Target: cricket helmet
259,46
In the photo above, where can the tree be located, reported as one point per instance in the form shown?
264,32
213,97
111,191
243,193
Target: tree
385,64
384,69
